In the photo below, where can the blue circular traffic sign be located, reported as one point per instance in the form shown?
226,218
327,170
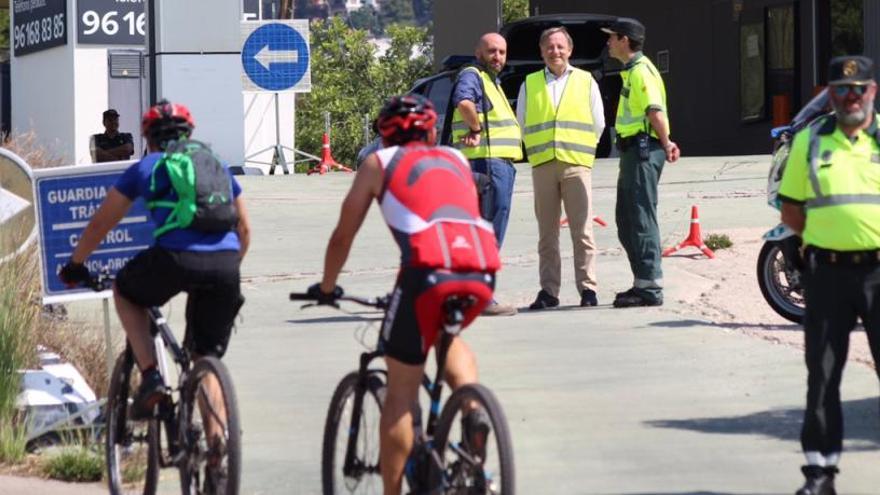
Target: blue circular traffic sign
275,57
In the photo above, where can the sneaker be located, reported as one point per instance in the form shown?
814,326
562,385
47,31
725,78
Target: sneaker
633,300
496,309
628,292
820,480
588,298
151,391
544,301
475,427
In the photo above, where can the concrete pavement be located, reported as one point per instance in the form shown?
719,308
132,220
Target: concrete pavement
599,400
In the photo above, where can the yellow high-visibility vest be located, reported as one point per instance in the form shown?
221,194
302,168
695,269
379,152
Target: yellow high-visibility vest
564,133
838,181
634,103
502,138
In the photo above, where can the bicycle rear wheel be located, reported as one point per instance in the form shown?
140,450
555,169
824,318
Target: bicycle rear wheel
210,431
482,464
363,477
131,447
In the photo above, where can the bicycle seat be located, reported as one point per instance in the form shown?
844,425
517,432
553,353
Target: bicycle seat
455,306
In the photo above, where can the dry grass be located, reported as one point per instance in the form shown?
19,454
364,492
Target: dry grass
24,323
26,146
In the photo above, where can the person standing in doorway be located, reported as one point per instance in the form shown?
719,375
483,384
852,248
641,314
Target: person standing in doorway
642,126
561,113
485,130
112,145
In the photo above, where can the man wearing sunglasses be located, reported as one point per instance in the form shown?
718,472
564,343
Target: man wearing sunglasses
831,196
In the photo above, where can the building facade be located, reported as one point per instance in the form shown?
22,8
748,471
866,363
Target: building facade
735,68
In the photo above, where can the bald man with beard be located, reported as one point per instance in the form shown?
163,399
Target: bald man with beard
485,130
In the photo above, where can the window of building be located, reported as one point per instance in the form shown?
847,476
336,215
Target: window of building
769,84
782,87
751,69
847,27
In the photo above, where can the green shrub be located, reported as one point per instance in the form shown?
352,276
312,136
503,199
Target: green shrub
17,317
75,463
12,442
717,241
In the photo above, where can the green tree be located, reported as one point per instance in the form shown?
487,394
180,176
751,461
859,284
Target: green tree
366,18
396,12
514,10
350,81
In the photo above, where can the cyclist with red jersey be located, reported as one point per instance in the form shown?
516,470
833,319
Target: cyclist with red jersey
429,200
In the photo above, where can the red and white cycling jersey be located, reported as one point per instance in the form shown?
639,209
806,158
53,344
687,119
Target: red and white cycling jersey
429,200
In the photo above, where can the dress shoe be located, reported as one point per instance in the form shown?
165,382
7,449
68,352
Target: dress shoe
588,298
544,301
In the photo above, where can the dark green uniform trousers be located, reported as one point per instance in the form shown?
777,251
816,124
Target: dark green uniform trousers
636,217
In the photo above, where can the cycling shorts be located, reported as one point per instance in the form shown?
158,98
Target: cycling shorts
211,281
415,313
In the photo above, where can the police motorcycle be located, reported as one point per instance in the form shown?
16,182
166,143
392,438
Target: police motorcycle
780,263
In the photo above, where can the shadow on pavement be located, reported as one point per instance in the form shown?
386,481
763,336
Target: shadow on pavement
791,327
338,319
860,424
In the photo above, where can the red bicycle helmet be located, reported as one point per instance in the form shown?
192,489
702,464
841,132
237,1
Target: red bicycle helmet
166,121
406,118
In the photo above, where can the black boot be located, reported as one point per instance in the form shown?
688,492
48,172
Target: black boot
820,480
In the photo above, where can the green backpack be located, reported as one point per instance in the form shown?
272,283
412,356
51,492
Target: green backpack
203,188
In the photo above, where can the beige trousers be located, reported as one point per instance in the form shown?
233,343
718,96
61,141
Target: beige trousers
557,182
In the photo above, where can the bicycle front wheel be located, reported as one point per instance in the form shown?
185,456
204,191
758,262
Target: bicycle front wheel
476,454
348,426
131,447
210,431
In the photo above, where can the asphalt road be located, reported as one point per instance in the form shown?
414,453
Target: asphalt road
599,400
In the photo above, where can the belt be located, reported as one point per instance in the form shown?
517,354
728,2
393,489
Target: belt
831,257
624,143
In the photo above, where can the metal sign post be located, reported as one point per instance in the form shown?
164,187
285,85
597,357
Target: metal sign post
275,58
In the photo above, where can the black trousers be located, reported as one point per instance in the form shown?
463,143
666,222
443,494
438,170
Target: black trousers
836,295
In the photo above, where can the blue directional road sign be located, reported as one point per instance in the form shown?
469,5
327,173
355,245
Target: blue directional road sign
66,198
275,56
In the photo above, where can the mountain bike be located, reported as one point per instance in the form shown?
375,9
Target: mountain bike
444,460
136,449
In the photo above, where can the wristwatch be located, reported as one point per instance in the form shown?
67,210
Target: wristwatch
476,131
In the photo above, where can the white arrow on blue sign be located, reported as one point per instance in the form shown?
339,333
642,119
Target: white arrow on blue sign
66,198
275,56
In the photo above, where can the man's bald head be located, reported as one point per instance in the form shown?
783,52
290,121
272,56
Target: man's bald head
491,52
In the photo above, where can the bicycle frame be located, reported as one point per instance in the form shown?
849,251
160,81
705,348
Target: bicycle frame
433,389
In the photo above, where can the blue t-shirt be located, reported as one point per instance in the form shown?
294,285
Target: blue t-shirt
467,87
135,183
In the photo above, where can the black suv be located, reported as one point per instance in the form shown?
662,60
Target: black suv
524,57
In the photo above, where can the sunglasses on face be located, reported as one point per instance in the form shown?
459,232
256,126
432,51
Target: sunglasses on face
844,89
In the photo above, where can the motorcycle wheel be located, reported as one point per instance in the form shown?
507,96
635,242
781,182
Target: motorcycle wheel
780,284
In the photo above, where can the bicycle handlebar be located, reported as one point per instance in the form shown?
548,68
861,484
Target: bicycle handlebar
102,281
374,302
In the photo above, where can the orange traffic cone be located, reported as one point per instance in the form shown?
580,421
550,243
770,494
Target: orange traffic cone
597,219
694,238
327,162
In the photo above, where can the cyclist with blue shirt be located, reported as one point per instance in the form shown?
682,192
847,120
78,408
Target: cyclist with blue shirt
204,264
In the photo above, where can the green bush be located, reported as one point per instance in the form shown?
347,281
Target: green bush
12,442
75,463
717,241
